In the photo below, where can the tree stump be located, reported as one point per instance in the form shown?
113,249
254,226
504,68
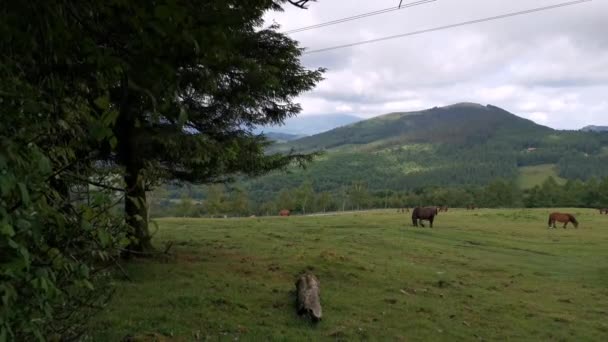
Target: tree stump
308,299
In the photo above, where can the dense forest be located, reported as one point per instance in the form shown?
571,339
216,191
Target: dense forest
219,200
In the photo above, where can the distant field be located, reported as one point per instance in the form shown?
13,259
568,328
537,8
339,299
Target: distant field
530,176
478,275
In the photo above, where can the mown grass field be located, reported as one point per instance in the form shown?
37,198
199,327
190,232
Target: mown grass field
531,176
478,275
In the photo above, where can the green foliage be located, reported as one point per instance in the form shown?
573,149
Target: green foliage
286,200
304,199
58,237
185,207
358,195
175,91
324,202
239,202
304,196
215,202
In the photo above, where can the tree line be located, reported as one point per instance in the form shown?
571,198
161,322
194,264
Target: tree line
219,200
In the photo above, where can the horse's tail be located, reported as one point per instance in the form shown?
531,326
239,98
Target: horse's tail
573,220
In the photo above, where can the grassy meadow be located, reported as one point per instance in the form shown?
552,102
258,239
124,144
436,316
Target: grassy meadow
477,275
531,176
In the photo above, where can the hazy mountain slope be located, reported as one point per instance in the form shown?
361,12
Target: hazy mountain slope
282,137
592,128
311,124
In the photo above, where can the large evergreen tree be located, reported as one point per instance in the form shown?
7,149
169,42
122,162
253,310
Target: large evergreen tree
194,79
180,85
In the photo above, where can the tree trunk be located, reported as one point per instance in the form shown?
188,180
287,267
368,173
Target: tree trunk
136,211
308,299
136,207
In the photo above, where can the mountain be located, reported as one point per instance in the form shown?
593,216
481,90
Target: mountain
457,123
310,124
592,128
462,145
282,137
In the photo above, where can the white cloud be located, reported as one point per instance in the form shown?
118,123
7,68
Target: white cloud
539,117
551,67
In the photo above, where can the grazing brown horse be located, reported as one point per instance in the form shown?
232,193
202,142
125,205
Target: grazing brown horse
471,207
562,218
427,214
604,211
443,208
284,212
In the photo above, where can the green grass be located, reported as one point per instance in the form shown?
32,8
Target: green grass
486,274
530,176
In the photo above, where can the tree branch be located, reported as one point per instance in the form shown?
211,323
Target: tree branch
97,184
300,3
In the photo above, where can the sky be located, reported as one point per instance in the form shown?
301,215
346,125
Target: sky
550,67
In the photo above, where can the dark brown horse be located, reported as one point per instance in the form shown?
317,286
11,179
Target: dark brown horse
562,218
420,214
284,212
444,209
604,211
471,207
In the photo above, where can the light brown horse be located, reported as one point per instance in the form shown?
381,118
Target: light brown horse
562,218
284,212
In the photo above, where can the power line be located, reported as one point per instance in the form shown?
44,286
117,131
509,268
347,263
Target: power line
359,16
502,16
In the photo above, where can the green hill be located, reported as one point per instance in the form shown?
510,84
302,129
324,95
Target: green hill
464,123
460,145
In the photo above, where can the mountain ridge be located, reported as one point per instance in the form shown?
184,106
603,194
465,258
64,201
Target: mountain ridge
452,123
594,128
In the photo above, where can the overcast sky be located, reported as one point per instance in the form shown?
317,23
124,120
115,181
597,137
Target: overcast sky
550,67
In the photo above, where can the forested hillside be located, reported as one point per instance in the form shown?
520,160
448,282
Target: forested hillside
454,155
459,145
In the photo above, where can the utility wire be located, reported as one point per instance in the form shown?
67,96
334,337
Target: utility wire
502,16
359,16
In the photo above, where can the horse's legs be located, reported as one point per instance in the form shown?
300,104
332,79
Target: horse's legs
421,224
565,224
431,222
